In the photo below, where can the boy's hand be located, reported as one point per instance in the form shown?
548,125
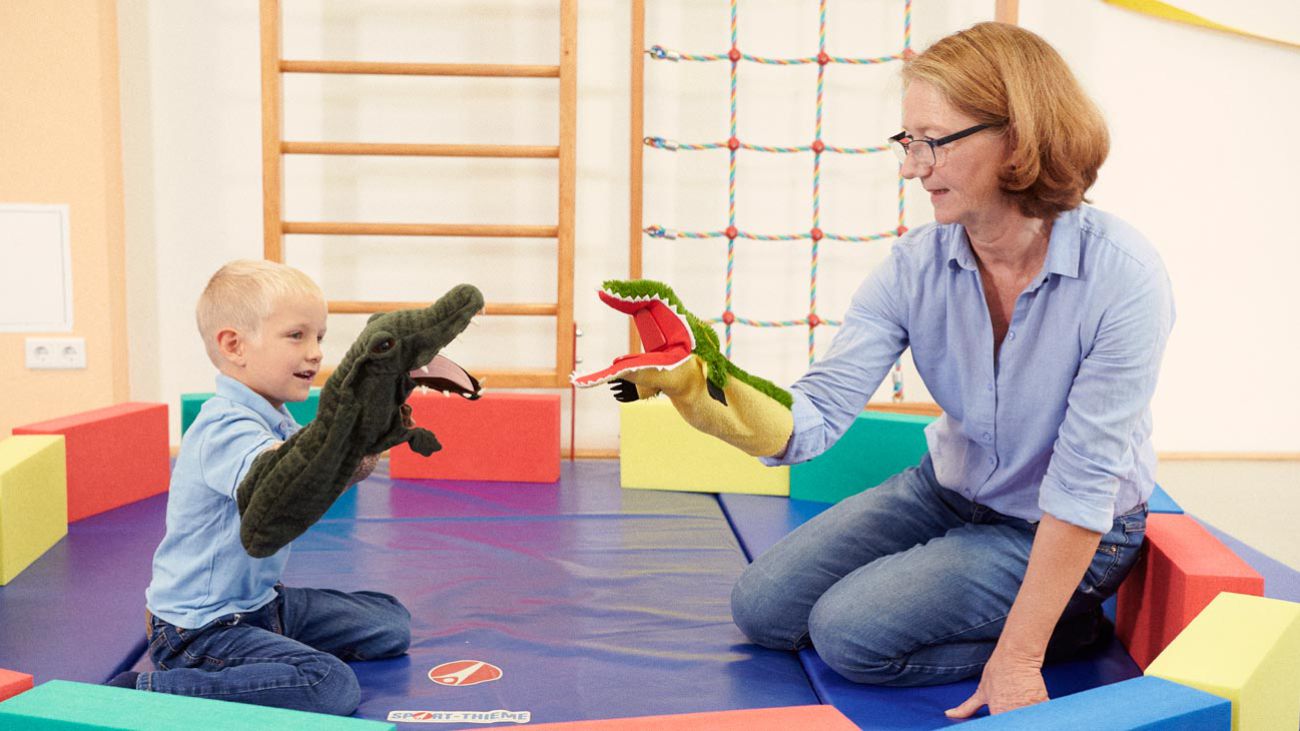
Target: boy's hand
364,468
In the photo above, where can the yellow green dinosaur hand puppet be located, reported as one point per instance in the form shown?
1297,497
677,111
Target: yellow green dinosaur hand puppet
683,360
362,411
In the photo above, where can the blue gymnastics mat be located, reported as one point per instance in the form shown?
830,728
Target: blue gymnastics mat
760,521
77,613
595,602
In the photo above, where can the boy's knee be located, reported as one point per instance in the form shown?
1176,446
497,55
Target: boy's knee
399,628
336,690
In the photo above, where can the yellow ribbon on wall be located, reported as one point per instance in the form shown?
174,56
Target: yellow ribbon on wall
1168,12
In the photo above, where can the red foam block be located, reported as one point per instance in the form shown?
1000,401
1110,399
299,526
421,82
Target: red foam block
1183,569
501,437
116,455
821,718
12,683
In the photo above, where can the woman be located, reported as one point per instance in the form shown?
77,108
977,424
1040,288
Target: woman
1037,323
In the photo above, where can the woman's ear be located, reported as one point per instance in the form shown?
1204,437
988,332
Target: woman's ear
231,346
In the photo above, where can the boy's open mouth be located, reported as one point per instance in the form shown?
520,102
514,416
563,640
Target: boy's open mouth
305,375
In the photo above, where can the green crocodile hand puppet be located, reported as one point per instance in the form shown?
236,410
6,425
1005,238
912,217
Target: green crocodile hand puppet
683,361
362,411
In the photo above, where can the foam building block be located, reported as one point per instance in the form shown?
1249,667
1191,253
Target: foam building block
875,447
115,455
1245,648
63,704
500,437
1160,502
1182,569
658,450
1146,703
822,718
33,500
302,411
12,683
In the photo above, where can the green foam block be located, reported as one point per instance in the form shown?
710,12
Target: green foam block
876,447
62,704
303,411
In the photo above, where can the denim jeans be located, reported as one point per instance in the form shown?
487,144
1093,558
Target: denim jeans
287,654
909,583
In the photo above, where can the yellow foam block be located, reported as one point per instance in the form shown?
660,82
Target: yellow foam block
1244,648
658,450
33,500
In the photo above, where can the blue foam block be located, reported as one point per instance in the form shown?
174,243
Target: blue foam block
1160,502
595,602
1146,703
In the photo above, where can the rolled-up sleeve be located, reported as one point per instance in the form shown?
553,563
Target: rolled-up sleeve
838,386
1109,395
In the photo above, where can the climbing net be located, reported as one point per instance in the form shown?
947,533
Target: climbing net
818,147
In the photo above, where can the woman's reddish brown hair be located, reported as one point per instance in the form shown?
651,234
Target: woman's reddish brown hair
1004,75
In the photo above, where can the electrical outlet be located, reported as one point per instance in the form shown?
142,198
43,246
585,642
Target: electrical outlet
56,353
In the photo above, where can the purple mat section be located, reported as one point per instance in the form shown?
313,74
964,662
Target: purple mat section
1280,581
77,613
594,601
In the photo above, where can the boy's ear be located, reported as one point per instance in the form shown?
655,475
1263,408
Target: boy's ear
231,346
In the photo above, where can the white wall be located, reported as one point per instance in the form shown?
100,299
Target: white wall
1177,110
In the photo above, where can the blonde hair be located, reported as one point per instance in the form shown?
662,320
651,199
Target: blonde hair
242,294
1003,75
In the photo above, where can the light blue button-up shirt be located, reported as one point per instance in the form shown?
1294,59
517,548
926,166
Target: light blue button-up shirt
200,570
1060,420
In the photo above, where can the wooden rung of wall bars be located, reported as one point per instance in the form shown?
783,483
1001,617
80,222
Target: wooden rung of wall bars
504,71
359,307
392,148
274,147
335,228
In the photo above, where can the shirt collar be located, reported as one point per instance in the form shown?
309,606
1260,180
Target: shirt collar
237,392
1062,248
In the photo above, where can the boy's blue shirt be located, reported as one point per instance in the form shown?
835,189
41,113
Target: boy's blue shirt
200,570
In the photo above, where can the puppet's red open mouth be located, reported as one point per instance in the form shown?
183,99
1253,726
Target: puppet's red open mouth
665,336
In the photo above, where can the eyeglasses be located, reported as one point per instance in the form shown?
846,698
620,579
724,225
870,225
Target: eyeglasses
926,152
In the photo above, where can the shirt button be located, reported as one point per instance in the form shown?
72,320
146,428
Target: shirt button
990,387
1011,335
991,460
987,436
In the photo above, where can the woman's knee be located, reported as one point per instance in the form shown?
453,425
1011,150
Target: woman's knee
848,646
759,611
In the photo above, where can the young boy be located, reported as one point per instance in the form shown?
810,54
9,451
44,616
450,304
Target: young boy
220,623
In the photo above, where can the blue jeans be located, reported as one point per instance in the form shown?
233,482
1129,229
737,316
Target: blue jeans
287,654
909,583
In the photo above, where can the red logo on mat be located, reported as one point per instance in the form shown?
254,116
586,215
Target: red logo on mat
465,672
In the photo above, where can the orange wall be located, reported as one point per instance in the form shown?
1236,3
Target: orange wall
61,142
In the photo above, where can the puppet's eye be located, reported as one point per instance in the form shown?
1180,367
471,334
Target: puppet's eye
383,346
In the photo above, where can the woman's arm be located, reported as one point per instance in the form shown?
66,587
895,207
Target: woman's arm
1013,675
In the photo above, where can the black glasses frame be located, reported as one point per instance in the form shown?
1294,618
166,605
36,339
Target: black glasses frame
903,141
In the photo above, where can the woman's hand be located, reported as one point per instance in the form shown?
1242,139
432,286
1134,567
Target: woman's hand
1008,683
